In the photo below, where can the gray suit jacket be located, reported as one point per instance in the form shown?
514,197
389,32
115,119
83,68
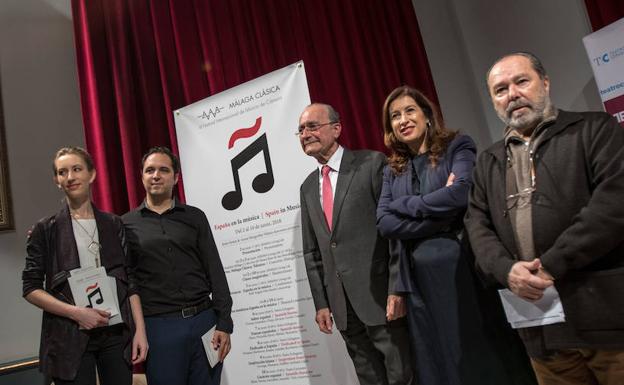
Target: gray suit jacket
353,256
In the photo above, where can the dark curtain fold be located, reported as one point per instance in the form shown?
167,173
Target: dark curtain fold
139,60
604,12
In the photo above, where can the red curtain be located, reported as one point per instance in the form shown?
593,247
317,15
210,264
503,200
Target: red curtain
604,12
139,60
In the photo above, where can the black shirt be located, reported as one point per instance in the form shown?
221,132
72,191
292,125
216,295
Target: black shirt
177,261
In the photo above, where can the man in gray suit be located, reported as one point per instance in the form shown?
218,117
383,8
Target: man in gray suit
348,264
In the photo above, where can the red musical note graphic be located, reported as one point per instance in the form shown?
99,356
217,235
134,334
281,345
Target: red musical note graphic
245,132
89,288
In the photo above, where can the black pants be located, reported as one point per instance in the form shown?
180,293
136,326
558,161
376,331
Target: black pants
104,350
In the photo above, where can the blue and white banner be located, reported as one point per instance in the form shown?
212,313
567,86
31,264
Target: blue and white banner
243,165
605,49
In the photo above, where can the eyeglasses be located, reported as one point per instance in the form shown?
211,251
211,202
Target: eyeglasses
311,127
520,199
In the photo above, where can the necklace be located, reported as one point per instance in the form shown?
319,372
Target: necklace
94,246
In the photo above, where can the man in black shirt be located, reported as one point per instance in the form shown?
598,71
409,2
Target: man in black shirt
178,270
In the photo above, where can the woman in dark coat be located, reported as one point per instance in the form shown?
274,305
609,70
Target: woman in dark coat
74,340
423,200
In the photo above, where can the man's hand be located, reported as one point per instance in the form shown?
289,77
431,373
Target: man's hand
395,307
450,180
526,281
324,320
221,341
89,318
543,274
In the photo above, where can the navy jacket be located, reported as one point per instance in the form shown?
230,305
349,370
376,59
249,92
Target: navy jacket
401,215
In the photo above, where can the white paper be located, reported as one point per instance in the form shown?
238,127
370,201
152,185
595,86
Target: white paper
115,319
211,353
522,313
91,287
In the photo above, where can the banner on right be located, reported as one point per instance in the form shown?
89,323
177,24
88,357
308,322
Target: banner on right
605,49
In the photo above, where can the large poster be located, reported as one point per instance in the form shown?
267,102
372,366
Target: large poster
243,165
605,49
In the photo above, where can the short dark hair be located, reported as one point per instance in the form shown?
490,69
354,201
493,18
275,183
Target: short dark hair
536,63
73,150
175,163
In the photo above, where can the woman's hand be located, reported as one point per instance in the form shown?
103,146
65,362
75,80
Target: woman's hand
139,346
139,341
395,307
89,318
450,180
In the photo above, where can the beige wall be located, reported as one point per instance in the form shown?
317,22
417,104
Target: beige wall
42,113
463,38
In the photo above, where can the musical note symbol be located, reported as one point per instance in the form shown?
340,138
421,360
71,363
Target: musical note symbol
93,294
261,183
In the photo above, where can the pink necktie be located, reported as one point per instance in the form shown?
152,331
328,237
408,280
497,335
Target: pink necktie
328,196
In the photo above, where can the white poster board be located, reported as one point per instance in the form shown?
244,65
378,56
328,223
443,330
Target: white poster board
605,49
243,165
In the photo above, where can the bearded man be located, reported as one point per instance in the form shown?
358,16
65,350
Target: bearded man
546,209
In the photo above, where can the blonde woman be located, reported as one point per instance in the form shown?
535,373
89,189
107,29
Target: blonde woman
74,340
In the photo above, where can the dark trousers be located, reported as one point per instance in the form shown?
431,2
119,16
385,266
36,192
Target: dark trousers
104,350
380,354
176,355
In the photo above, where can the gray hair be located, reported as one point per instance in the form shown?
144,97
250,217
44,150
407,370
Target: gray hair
332,114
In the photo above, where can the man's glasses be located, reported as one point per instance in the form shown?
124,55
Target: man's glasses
311,127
